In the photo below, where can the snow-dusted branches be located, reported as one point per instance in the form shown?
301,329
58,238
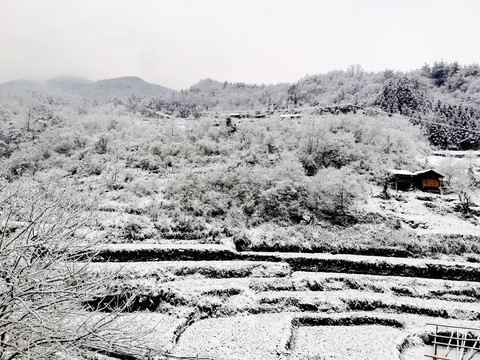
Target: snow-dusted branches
42,287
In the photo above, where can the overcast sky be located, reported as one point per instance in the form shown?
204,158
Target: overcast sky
175,43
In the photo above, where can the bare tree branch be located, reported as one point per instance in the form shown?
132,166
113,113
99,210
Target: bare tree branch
43,289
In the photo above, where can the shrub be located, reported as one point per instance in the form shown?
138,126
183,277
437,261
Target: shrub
131,231
242,241
101,145
335,191
64,148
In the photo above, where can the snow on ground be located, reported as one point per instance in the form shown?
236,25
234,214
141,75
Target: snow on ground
153,330
346,342
436,216
364,299
428,217
367,259
154,246
241,337
258,337
381,279
457,154
157,329
204,248
165,270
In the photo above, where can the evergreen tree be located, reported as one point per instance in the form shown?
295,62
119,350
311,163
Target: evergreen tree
398,96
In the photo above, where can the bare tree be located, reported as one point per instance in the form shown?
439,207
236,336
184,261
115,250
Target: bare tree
43,287
463,184
460,178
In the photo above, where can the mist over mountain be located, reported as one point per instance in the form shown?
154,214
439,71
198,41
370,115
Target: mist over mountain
128,85
107,89
69,84
21,85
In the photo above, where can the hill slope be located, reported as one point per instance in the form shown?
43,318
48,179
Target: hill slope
120,88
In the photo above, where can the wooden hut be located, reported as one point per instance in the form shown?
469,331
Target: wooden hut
428,180
425,180
401,179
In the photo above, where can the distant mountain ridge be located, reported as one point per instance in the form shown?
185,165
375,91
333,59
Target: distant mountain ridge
129,84
121,87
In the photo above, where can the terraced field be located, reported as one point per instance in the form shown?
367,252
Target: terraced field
214,302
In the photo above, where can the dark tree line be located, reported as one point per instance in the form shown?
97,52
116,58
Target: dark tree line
446,125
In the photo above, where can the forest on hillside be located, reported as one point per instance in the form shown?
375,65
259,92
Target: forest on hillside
237,172
443,97
200,175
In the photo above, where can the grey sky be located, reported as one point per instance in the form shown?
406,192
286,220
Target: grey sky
175,43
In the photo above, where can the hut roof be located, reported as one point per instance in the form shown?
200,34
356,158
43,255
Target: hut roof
416,173
158,113
424,172
400,172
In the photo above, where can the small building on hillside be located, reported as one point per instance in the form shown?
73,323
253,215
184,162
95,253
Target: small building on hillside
291,116
160,115
425,180
428,180
401,179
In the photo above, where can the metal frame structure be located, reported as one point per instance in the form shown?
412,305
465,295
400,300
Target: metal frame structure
463,341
